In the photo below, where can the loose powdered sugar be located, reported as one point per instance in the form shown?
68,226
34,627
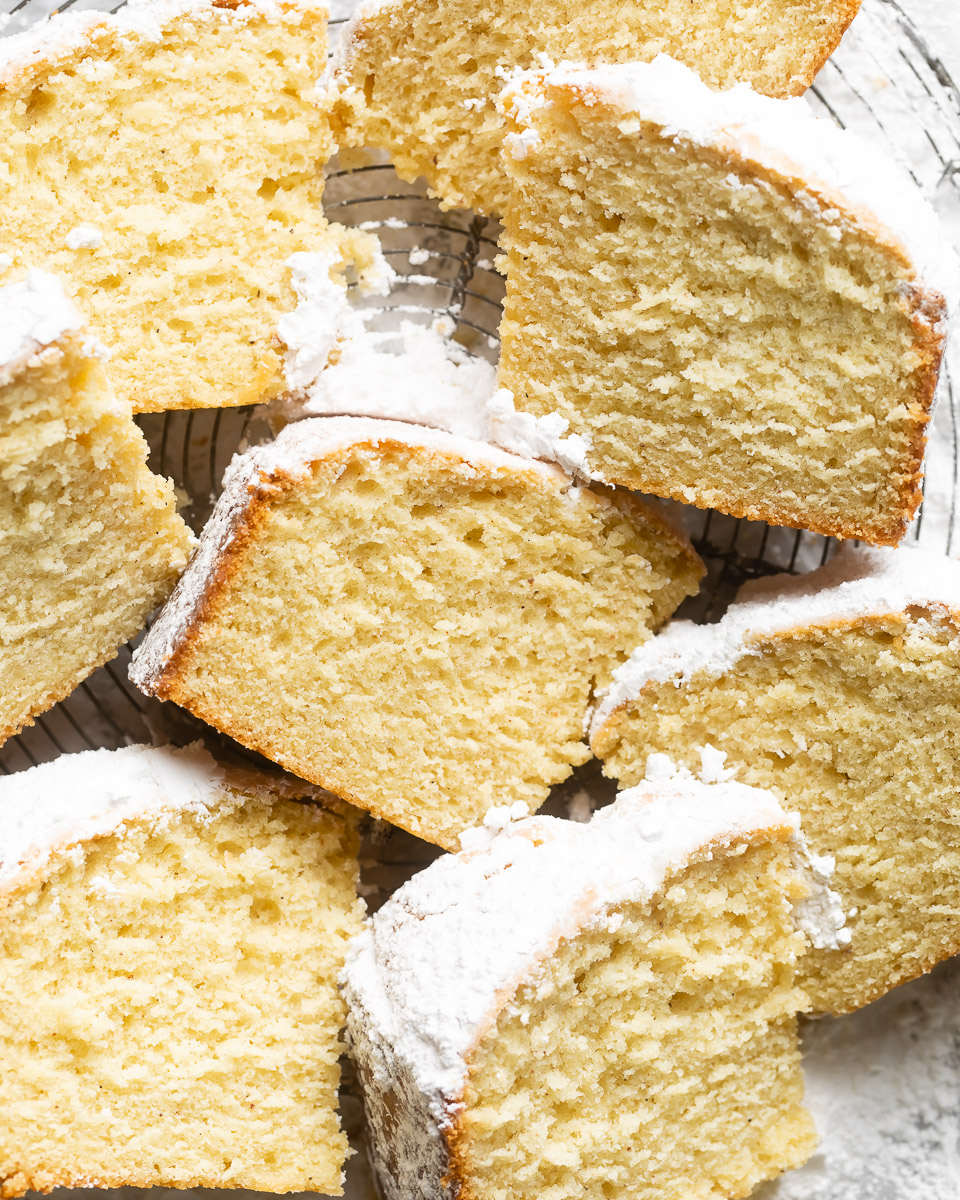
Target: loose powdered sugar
883,1085
84,237
857,582
783,135
80,797
336,366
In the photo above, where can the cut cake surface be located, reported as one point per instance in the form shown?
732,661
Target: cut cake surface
170,937
425,616
420,78
166,162
734,303
91,540
564,1010
839,691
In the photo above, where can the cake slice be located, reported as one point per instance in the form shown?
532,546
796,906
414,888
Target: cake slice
165,162
420,78
736,304
575,1010
840,692
170,937
413,620
90,539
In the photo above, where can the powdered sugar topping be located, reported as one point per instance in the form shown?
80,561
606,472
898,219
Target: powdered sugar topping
445,952
34,313
80,797
857,582
784,135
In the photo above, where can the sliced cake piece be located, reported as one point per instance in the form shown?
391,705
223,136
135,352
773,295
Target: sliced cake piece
575,1010
414,620
734,303
165,161
170,938
420,78
90,539
840,692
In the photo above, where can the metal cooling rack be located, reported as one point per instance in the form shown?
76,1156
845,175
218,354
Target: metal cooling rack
884,82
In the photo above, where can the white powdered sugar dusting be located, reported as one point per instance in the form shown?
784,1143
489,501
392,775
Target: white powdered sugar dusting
84,237
255,471
448,951
857,582
785,135
336,366
324,317
48,809
34,313
819,914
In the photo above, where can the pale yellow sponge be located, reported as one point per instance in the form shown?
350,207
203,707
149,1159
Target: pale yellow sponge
608,1009
735,304
420,78
90,539
840,692
166,162
414,620
170,938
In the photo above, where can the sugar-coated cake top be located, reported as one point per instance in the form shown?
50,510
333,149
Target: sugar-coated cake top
857,582
784,135
62,35
451,946
334,365
297,447
79,797
34,313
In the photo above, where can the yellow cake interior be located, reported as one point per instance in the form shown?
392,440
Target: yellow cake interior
424,635
714,339
196,159
667,1059
422,78
90,539
168,1006
857,729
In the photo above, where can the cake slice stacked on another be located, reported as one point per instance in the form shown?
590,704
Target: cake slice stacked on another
734,303
605,1009
90,539
166,161
839,691
413,620
170,938
420,78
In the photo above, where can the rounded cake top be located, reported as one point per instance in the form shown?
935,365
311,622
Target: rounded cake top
856,582
77,798
452,945
782,135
